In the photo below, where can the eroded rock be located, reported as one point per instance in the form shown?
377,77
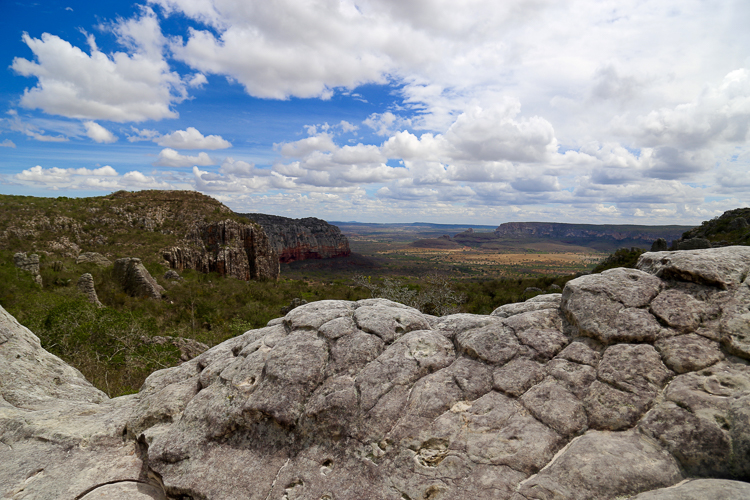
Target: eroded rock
135,278
612,395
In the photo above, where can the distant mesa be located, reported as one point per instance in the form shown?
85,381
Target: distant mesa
602,237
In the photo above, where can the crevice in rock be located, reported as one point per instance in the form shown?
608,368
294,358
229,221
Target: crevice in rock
275,479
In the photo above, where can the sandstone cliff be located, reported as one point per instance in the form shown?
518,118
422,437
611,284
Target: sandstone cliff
301,239
631,384
229,248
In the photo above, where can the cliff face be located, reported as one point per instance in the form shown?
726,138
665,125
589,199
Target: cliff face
302,239
229,248
561,231
631,384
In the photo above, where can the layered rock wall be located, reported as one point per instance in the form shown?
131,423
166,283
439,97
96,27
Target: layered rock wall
631,384
229,248
302,239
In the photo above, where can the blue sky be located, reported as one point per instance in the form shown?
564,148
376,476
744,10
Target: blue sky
461,111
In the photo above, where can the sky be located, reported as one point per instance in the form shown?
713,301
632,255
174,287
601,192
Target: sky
444,111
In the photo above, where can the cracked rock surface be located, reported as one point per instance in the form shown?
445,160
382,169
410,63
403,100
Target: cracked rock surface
630,384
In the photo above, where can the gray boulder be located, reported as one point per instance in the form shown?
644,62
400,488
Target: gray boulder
29,263
135,278
692,244
660,245
611,394
86,286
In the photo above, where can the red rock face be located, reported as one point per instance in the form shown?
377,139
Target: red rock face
302,239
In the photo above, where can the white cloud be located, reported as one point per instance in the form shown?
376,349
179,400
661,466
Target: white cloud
143,135
98,133
347,127
198,80
7,143
120,87
227,181
719,114
303,147
103,179
192,139
171,158
31,130
495,134
387,123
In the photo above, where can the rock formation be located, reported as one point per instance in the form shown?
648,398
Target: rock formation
301,239
93,258
172,275
229,248
86,286
135,278
28,263
659,245
632,383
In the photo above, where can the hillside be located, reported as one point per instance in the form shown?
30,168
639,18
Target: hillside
730,228
117,225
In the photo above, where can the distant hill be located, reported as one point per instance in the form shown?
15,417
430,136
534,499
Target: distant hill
601,237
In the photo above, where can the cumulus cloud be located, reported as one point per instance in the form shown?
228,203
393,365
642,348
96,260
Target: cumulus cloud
192,139
303,147
387,123
7,143
119,87
103,178
98,133
720,114
171,158
493,134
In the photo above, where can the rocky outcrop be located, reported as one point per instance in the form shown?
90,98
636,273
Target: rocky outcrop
93,258
29,263
229,248
86,286
633,383
691,244
135,278
302,239
730,228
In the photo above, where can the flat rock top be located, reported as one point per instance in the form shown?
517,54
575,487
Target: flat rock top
625,385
